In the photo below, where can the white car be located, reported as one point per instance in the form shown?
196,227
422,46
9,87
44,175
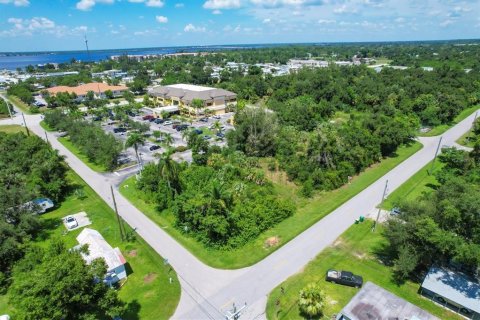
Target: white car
216,116
167,123
5,317
71,222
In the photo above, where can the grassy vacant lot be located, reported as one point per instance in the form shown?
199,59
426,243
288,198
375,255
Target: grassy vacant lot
444,127
308,212
466,140
420,183
19,104
147,292
357,251
12,128
73,149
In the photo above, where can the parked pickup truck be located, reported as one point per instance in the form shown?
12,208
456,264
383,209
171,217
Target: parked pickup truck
344,277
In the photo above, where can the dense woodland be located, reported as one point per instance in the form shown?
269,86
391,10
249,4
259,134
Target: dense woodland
442,227
100,148
223,203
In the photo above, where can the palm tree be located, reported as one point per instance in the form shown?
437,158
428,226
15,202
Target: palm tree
217,126
168,140
197,104
134,140
169,171
311,300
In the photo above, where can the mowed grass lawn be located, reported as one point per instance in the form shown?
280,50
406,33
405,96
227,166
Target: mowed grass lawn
147,291
79,154
419,184
467,139
444,127
308,212
356,251
19,104
12,128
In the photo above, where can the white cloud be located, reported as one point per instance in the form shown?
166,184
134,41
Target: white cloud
179,5
41,25
155,3
86,5
344,9
400,20
216,11
161,19
221,4
17,3
266,20
447,22
280,3
326,21
191,28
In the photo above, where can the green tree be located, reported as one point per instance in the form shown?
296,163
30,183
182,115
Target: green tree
134,140
197,104
311,300
57,284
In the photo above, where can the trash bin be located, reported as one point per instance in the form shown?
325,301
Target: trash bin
362,218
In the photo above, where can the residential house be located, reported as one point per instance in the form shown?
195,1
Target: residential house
98,89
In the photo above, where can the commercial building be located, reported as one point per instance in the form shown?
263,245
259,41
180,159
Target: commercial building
179,97
375,303
98,89
99,248
454,290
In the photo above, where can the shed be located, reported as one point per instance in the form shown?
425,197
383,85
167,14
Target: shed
99,248
454,290
375,303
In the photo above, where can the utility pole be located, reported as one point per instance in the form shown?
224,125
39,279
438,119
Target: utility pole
234,313
25,123
46,137
435,157
380,206
122,236
8,107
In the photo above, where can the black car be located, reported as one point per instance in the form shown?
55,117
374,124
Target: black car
158,121
154,147
344,277
181,127
118,130
203,119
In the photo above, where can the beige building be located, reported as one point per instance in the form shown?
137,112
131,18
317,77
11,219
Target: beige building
179,97
81,91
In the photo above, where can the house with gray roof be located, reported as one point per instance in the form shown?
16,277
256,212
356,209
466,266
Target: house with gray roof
454,290
181,96
375,303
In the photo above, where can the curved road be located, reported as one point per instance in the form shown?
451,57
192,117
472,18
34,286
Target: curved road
207,293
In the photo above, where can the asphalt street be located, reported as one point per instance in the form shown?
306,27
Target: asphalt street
207,293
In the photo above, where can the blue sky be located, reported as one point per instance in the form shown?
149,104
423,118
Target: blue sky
33,25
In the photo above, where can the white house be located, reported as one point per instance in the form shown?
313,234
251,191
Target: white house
99,248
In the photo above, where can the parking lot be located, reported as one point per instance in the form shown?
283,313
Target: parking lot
147,155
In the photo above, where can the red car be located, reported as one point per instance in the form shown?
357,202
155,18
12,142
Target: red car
148,117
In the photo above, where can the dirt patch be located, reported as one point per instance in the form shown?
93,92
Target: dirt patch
272,242
150,277
360,255
337,243
132,253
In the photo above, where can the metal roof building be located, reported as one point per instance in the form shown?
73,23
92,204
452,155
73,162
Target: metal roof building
99,248
375,303
454,290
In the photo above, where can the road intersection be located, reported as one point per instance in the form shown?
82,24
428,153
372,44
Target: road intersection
208,293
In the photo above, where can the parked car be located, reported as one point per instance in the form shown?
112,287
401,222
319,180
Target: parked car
203,119
344,277
151,119
216,116
207,137
148,117
158,121
71,222
167,123
154,147
221,135
198,131
118,130
181,127
97,118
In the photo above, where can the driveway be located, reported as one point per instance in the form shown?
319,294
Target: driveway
207,293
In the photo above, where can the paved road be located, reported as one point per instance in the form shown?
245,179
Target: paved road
208,293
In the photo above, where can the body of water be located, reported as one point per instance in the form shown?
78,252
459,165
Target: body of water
14,60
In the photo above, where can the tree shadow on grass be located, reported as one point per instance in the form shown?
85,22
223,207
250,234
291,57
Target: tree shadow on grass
132,311
48,227
128,269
